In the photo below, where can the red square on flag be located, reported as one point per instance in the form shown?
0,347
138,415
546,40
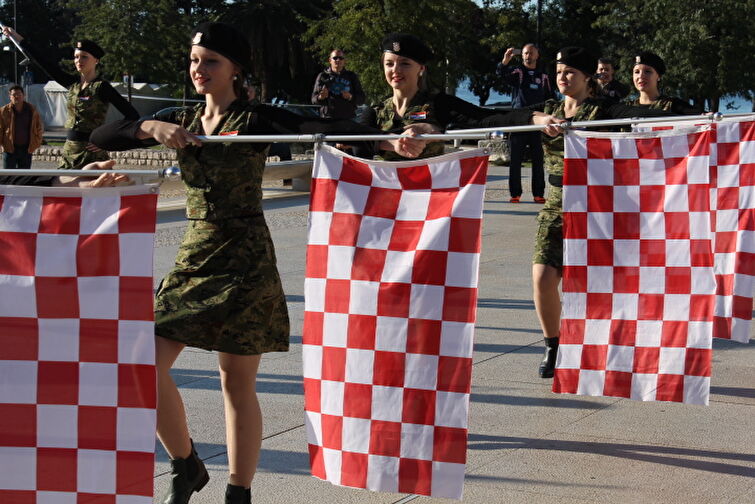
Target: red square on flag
646,360
441,203
626,172
344,229
354,469
60,215
430,267
600,252
333,363
136,214
697,361
649,148
361,332
650,307
575,225
599,199
670,388
465,235
653,253
312,395
674,334
459,304
19,339
57,382
388,369
700,253
652,198
382,202
57,297
316,461
393,299
450,445
618,384
356,172
385,438
455,374
317,261
572,331
98,340
575,278
678,280
599,148
17,496
599,305
135,299
134,473
57,470
415,476
98,255
676,171
566,381
405,235
742,307
702,307
136,386
357,400
97,428
747,174
677,225
575,172
698,196
323,195
626,279
337,295
594,357
423,336
367,264
17,253
415,177
419,406
626,226
312,333
623,332
727,153
18,425
473,170
332,431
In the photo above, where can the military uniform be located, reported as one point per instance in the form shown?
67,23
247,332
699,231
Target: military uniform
87,107
421,109
671,104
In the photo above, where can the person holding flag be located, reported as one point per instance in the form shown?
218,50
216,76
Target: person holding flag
224,293
575,80
89,96
404,59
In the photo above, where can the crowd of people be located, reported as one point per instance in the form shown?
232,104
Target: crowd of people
224,292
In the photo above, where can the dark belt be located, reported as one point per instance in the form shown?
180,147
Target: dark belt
78,136
556,180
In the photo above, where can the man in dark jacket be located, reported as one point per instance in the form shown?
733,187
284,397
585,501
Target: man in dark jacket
337,90
531,85
609,87
21,130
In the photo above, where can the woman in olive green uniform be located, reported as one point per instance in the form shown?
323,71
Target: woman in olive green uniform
574,77
411,105
89,97
646,75
224,292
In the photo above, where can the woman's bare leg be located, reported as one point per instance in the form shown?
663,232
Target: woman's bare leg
545,281
172,428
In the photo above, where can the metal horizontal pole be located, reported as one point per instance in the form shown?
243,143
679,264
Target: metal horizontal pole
81,173
331,138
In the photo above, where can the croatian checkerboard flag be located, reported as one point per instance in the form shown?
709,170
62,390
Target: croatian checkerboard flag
733,222
77,374
638,280
390,306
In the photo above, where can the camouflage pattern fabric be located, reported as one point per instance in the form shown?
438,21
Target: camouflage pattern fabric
86,108
549,242
76,155
420,110
224,292
675,105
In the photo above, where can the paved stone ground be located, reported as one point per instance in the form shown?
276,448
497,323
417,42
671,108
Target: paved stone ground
526,444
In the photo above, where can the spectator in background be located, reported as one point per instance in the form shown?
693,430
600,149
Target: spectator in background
337,90
608,87
531,86
21,130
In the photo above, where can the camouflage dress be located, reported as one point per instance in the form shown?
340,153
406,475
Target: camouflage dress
439,110
224,292
87,107
549,241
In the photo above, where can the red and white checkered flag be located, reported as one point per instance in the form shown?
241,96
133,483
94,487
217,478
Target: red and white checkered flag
390,306
638,281
733,222
77,375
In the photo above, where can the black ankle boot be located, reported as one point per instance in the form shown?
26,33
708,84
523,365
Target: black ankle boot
235,494
189,475
548,366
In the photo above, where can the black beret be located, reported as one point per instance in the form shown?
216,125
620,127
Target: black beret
226,40
407,45
650,59
90,47
579,58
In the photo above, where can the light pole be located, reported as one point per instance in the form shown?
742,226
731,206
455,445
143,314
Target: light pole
15,50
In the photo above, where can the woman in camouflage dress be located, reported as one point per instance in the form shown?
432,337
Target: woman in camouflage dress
574,77
411,105
646,75
89,97
224,292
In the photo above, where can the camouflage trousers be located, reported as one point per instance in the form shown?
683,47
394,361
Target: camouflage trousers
76,156
224,292
549,241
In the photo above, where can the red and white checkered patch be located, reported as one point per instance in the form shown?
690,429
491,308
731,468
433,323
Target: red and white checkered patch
732,193
77,374
390,306
638,281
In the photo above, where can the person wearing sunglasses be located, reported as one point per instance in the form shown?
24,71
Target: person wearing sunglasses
337,90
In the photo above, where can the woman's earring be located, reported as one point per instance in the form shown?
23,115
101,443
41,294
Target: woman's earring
235,77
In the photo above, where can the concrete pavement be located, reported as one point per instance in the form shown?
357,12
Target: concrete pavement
526,444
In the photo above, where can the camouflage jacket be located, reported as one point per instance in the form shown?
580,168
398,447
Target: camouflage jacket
671,104
420,109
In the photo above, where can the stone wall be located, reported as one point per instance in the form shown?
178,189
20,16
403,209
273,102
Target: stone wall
136,157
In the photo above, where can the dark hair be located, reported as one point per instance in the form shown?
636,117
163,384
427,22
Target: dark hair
16,88
607,61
